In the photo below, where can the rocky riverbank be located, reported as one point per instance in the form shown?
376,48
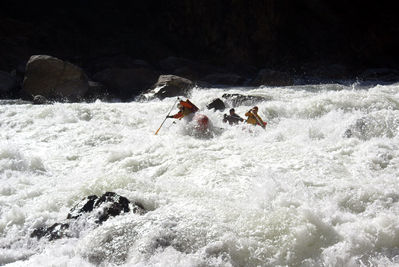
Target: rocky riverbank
121,50
47,78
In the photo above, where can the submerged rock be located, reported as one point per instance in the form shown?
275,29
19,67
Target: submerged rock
111,204
56,231
99,209
84,206
108,205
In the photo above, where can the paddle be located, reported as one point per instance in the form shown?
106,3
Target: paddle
167,116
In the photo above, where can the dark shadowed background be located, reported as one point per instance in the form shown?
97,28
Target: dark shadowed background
298,37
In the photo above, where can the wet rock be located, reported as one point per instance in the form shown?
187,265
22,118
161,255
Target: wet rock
84,206
56,231
126,83
39,100
111,205
171,85
54,78
216,104
96,209
238,99
108,205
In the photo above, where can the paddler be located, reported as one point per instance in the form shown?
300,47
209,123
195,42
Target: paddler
233,118
185,108
254,118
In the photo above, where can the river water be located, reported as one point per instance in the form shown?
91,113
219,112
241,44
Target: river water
303,192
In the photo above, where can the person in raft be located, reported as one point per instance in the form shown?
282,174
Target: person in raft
233,118
254,118
185,108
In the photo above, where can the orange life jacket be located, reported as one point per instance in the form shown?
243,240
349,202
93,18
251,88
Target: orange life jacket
188,108
189,105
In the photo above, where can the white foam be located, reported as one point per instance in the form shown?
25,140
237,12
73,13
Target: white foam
298,194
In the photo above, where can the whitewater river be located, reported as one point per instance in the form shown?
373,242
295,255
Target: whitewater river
301,193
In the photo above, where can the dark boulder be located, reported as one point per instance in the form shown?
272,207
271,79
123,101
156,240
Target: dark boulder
126,83
236,100
108,205
56,231
39,100
54,78
171,85
96,209
216,104
111,205
84,206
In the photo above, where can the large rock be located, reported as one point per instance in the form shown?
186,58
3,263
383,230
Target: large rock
236,100
171,85
97,210
126,83
108,205
216,104
55,231
54,78
7,83
39,100
272,78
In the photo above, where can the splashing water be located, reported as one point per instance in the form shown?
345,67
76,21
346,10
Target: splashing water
319,187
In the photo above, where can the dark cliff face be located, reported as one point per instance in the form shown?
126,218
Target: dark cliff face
286,35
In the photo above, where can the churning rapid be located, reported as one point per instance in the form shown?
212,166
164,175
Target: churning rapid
318,187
